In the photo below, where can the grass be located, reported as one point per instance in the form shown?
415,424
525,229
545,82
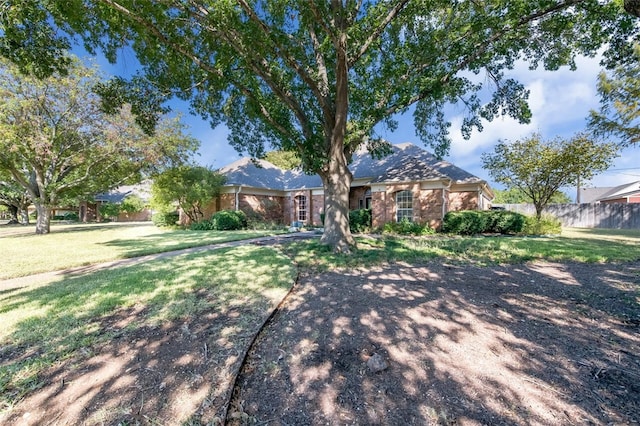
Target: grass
575,245
55,319
25,253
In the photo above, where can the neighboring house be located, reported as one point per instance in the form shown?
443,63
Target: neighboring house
627,193
410,183
90,211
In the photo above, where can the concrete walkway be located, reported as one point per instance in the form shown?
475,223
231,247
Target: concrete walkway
14,283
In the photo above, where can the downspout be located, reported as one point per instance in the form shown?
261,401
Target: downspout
444,198
238,189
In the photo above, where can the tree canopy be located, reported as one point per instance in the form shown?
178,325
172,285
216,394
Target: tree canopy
190,187
540,168
56,142
286,160
517,196
319,78
619,114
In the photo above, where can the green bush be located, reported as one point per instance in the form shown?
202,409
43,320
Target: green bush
228,220
109,210
163,219
471,222
203,225
547,225
404,227
359,220
505,222
467,222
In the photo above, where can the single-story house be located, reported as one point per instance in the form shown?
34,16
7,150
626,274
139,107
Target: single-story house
410,183
90,210
627,193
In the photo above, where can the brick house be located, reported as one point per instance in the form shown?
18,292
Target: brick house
409,183
89,211
628,193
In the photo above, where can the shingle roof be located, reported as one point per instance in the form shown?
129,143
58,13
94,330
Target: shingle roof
407,162
621,191
117,195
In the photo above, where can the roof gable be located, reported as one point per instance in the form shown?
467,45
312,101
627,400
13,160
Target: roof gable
406,163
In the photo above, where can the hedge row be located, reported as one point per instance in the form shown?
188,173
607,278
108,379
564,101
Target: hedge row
470,222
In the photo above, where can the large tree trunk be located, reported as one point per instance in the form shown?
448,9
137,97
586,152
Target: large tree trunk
24,215
43,221
337,182
336,176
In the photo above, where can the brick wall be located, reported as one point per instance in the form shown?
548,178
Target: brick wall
317,207
463,201
427,205
143,216
262,207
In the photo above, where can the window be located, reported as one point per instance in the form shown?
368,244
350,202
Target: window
404,206
301,204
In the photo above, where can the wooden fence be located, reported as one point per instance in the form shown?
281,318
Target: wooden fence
612,216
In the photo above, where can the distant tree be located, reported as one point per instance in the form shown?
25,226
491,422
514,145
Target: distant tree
132,204
540,168
57,143
286,160
15,198
109,210
619,113
319,77
517,196
190,187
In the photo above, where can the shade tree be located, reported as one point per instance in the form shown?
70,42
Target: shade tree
321,78
539,168
58,144
188,187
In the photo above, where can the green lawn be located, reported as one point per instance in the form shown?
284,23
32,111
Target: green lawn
579,245
24,253
58,318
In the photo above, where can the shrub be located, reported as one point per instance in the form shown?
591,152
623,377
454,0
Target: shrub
203,225
109,210
505,222
162,219
359,220
547,225
467,222
404,227
71,216
470,222
227,220
132,204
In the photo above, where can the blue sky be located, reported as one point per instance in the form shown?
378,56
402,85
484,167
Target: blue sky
560,102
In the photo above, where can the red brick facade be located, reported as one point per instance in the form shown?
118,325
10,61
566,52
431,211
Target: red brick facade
428,205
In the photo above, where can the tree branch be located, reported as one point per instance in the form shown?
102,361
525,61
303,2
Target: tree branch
375,34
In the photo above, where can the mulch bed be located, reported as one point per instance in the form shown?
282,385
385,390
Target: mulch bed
540,343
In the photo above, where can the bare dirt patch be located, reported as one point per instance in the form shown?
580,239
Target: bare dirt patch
170,373
533,344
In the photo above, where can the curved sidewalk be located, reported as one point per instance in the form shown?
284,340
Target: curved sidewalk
19,282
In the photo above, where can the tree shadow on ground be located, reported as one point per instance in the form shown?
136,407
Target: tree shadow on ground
540,343
157,343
